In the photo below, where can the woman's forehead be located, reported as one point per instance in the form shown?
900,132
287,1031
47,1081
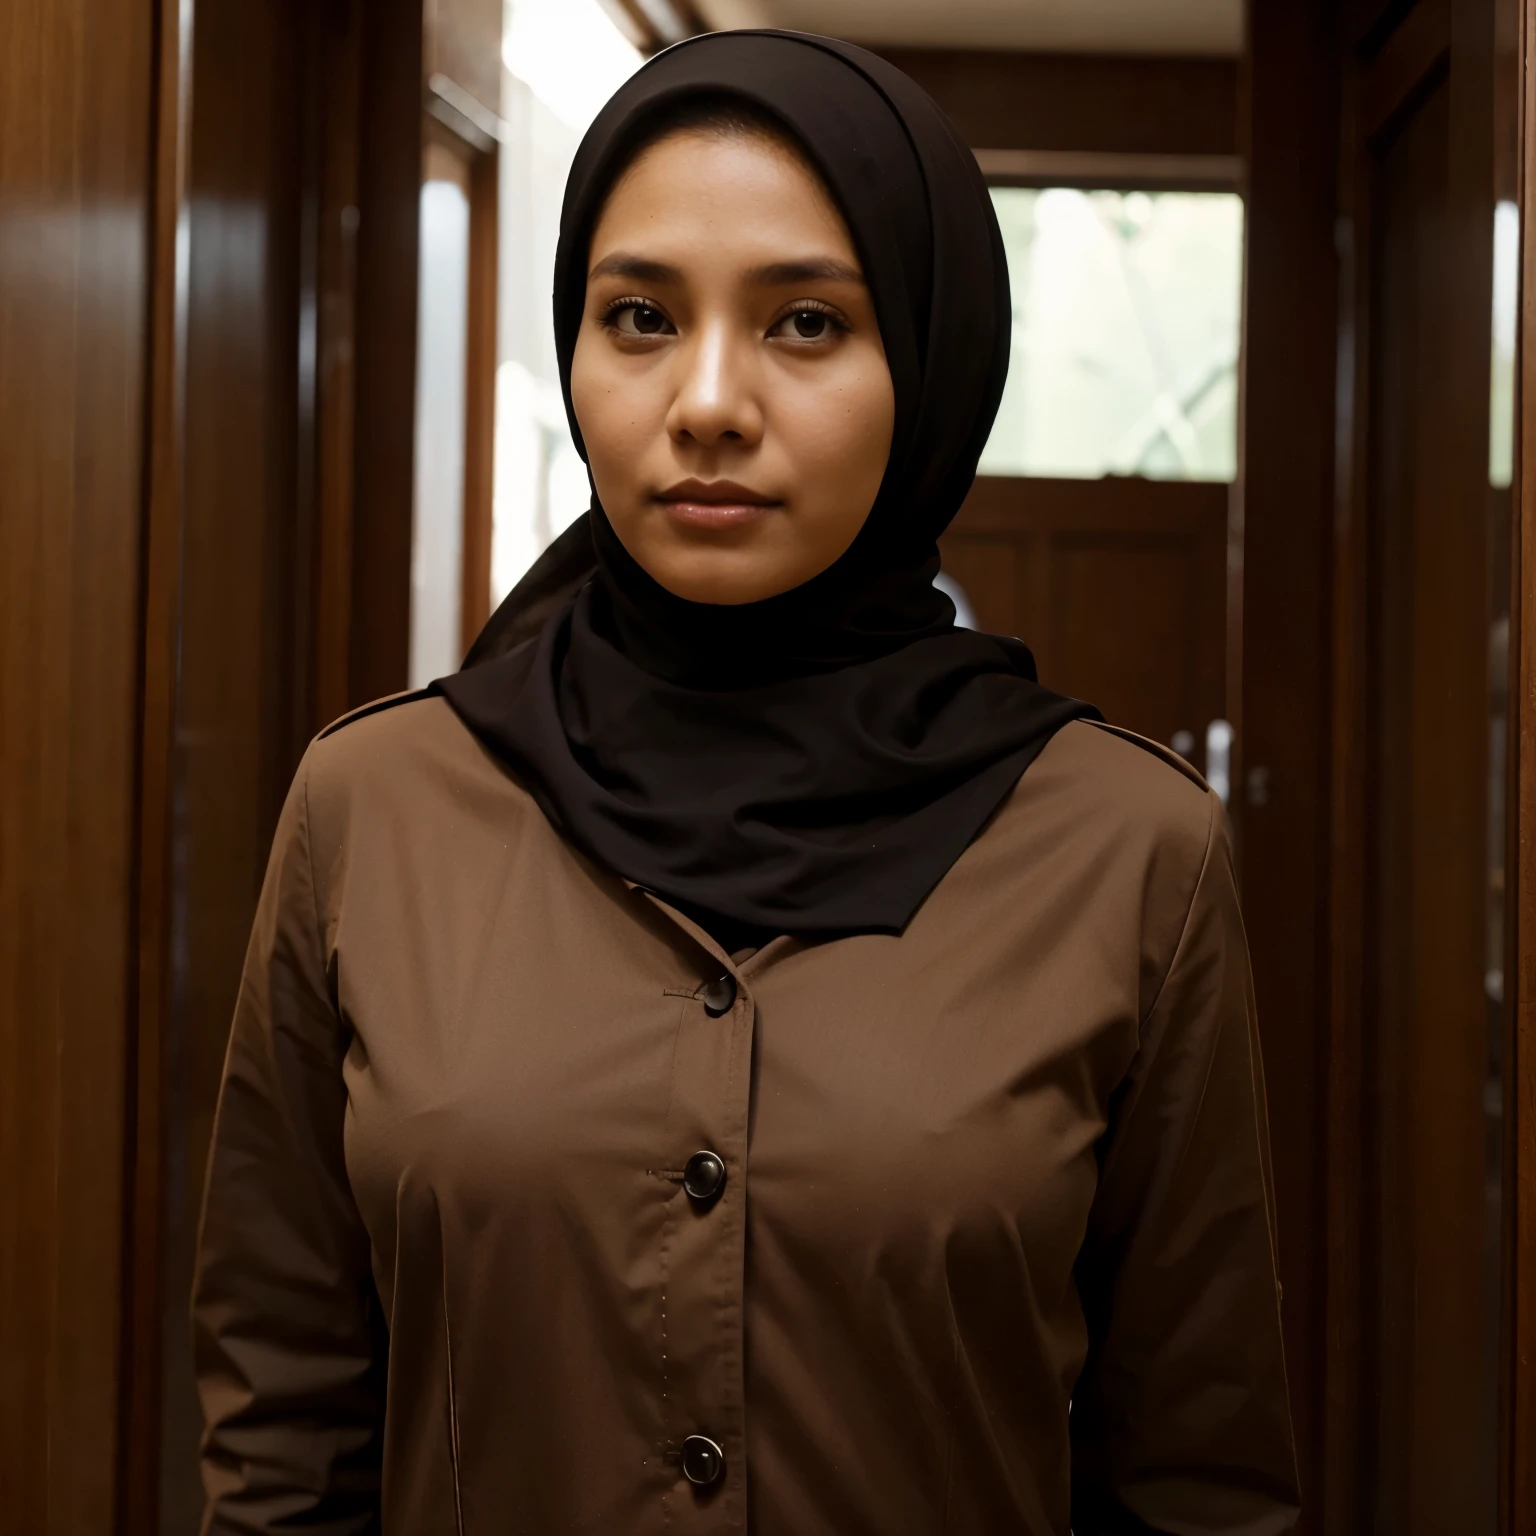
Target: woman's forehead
734,190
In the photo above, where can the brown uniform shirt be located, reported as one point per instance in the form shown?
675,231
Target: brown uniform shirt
994,1247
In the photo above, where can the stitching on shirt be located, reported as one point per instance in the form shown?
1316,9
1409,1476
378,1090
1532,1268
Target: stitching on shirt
667,1450
1173,964
688,992
954,1397
735,1287
309,864
1189,911
666,1242
453,1409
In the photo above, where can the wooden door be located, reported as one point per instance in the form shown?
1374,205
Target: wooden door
1118,586
1517,1483
76,152
1417,1182
1427,760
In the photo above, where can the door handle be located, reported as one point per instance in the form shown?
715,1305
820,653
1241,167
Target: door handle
1218,759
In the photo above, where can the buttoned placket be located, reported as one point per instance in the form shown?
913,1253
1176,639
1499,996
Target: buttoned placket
703,1258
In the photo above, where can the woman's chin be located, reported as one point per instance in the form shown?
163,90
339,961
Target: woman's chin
723,577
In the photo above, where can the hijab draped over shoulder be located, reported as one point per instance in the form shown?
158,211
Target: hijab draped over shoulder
813,763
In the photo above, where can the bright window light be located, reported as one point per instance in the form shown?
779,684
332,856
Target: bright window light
570,55
1506,303
1127,307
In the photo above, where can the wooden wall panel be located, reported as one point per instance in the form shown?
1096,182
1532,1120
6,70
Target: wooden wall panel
1412,1413
1047,560
338,217
243,707
389,180
181,325
1518,1484
480,398
1283,540
75,167
1425,1011
1096,104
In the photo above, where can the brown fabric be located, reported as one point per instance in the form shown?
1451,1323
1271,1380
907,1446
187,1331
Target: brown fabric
1008,1164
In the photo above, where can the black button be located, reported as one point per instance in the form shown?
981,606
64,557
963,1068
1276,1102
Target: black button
703,1176
703,1460
719,995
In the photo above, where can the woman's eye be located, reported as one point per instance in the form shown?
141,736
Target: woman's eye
639,320
805,325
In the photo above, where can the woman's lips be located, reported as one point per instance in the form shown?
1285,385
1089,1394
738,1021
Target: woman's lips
715,507
716,514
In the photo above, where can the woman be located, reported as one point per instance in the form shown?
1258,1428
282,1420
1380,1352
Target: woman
741,1053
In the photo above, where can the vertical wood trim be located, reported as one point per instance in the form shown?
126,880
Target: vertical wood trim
479,399
76,154
1342,1505
1453,1422
1519,1431
1286,705
336,382
389,205
138,1512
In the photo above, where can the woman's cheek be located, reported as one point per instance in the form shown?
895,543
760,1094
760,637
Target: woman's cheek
843,432
618,438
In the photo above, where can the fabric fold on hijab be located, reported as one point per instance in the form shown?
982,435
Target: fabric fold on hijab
816,762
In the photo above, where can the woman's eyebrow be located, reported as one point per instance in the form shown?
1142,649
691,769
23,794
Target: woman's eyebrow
807,270
641,268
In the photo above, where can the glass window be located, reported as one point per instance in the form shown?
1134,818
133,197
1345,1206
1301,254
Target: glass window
1126,323
564,59
437,534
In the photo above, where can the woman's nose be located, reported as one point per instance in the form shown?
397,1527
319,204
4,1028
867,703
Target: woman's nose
715,403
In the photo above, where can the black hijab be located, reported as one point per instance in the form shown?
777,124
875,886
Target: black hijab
813,763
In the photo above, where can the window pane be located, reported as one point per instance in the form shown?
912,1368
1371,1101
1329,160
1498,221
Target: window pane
437,534
1126,320
563,59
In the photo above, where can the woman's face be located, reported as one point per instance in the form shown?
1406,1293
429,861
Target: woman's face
729,378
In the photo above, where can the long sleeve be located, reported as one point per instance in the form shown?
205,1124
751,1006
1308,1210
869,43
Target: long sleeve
1180,1420
288,1342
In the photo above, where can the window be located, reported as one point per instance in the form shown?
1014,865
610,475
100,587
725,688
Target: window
564,58
1126,323
437,534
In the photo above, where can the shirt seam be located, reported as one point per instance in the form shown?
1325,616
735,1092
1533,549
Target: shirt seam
1189,911
453,1406
309,864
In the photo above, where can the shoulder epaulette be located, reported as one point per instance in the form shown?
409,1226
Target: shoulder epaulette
1157,749
377,707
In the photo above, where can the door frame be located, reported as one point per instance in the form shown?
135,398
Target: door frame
1519,1480
1387,59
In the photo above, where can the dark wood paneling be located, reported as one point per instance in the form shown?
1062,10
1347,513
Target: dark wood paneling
76,129
336,308
1102,104
1051,560
480,399
241,715
1428,773
143,1301
1346,1389
179,443
1413,1308
1404,66
1519,1482
1283,538
389,180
